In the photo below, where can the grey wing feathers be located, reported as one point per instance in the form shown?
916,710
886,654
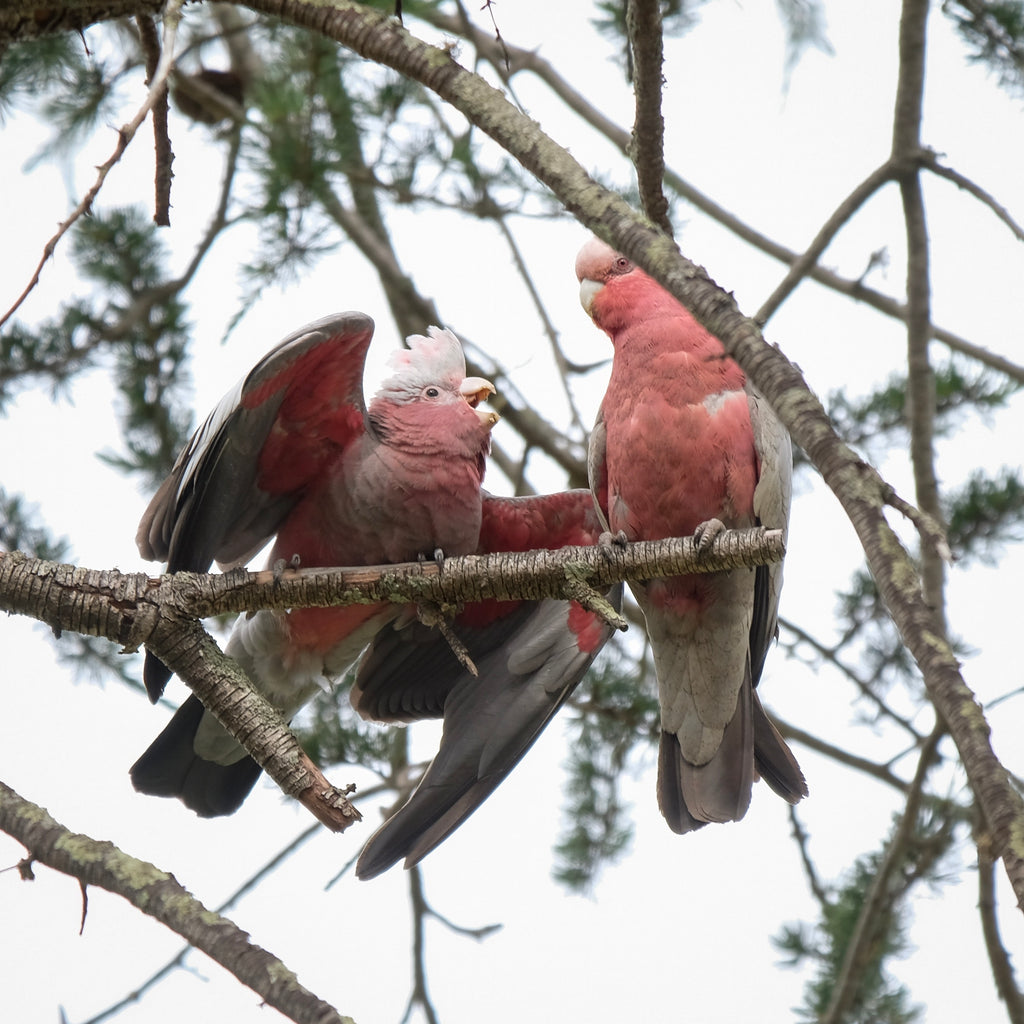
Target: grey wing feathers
773,759
772,498
210,506
489,724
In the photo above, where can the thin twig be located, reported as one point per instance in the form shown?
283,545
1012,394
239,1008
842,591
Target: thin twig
250,883
647,150
549,328
998,957
881,892
930,160
161,139
802,266
831,654
419,996
171,17
930,529
802,842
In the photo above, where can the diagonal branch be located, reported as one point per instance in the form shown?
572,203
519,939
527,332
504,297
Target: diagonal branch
175,962
802,266
159,895
884,889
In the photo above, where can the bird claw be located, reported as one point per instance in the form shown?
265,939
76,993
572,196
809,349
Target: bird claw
608,541
706,534
282,565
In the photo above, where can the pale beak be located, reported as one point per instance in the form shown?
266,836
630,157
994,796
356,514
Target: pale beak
588,291
476,390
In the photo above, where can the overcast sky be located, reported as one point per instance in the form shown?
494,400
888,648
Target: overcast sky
680,929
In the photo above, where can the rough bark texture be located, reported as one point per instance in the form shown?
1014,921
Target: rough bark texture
159,895
163,614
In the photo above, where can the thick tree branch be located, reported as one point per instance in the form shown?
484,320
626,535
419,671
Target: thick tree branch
157,894
128,607
163,614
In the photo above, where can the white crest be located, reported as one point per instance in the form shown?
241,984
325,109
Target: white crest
434,359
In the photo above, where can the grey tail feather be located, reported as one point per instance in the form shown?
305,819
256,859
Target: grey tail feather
774,760
670,790
170,767
693,795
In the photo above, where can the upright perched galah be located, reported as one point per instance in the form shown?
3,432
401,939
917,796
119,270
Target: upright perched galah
292,452
684,445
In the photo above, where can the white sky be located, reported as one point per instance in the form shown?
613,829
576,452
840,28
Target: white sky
680,930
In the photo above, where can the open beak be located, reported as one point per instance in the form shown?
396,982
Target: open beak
476,390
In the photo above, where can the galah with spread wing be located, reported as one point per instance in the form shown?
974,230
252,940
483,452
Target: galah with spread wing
291,451
684,445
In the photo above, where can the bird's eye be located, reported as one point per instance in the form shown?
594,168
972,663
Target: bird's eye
431,392
622,265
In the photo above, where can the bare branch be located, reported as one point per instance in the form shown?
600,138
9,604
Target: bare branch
930,160
831,655
124,605
157,894
802,842
158,86
138,991
882,772
162,143
998,957
921,395
643,20
802,266
884,889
